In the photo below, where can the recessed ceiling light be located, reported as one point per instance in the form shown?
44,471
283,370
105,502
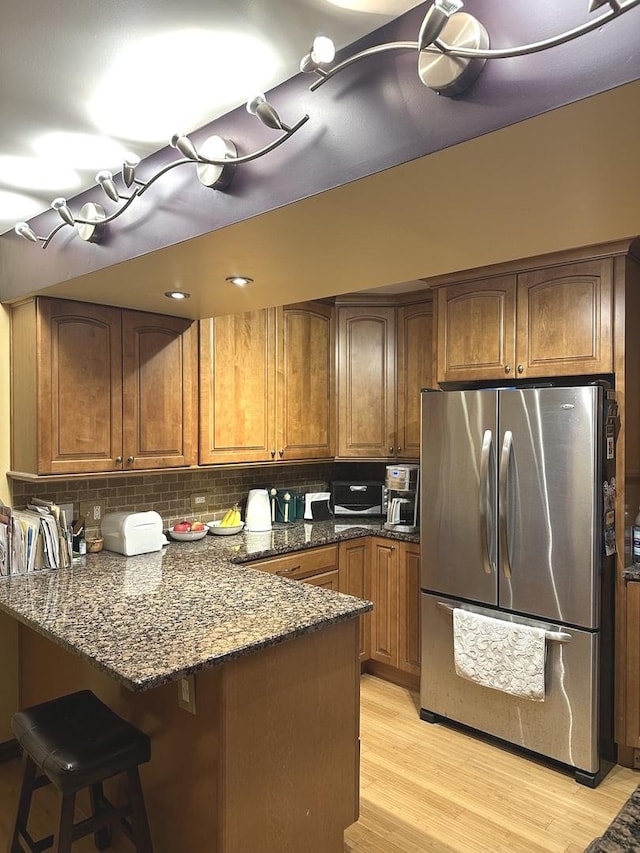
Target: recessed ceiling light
239,280
176,294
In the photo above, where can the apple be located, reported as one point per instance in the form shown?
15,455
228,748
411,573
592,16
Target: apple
197,525
182,527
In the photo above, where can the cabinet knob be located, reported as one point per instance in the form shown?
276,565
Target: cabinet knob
399,449
118,460
130,459
520,368
281,452
273,454
507,368
391,450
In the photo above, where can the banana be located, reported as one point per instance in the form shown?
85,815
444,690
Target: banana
231,518
226,518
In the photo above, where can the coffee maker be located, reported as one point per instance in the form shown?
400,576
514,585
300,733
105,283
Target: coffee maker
403,487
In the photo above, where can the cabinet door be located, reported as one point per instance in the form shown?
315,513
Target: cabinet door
632,673
414,372
564,320
384,594
237,388
159,391
476,330
355,579
409,609
305,382
79,387
366,383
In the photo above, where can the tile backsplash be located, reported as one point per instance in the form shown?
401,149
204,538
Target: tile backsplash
170,493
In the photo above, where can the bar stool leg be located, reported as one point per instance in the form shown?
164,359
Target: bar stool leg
64,835
102,838
24,803
139,820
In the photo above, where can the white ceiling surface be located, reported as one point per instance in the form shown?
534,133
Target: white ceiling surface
130,73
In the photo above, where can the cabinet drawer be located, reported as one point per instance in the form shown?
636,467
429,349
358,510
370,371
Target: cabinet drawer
301,564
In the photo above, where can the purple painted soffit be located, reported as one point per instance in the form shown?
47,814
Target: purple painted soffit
371,117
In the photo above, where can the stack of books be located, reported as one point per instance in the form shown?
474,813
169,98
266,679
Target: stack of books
34,538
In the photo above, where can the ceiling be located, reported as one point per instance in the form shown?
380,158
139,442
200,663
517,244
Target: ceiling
83,81
564,179
539,186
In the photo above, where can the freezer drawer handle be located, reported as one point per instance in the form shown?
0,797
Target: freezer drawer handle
503,519
556,636
485,457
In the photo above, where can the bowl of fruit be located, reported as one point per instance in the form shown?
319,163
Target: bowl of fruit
188,531
230,523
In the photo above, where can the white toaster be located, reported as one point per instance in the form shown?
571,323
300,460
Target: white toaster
132,533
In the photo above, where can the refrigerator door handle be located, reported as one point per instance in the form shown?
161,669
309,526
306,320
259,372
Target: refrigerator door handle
485,457
503,519
554,636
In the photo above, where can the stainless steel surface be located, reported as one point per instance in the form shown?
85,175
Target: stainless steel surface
450,75
548,512
451,539
484,502
536,526
553,495
555,636
503,521
563,727
402,484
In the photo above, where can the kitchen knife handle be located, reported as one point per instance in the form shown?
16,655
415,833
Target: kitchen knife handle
503,524
485,456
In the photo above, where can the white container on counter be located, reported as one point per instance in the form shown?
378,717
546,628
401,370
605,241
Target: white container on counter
132,533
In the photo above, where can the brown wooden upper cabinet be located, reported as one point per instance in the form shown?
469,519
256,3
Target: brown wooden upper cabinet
267,385
554,321
98,389
384,359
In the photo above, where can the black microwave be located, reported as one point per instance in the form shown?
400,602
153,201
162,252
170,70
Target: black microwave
357,497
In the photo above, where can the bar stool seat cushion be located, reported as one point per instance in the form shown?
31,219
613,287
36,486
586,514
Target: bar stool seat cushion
77,740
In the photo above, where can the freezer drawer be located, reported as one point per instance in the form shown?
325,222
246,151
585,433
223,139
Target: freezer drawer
563,727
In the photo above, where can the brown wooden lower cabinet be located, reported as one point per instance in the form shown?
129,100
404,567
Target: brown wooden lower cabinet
384,571
355,579
395,592
315,565
632,675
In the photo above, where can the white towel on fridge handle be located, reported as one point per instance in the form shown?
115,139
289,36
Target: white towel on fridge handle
502,655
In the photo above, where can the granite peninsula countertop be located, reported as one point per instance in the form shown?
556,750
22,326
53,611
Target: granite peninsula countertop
147,620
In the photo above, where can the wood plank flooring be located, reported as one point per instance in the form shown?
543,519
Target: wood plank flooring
431,788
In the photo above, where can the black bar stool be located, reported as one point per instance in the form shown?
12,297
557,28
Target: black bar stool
78,742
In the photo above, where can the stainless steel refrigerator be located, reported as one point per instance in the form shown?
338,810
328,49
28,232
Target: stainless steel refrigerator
517,491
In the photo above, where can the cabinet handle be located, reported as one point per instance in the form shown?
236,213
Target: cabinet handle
391,450
520,369
399,449
288,571
281,452
507,368
130,459
273,454
118,460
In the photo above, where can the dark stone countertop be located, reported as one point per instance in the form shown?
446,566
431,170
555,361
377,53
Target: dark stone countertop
631,573
623,834
147,620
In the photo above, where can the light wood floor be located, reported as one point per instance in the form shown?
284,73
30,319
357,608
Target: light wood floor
431,788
